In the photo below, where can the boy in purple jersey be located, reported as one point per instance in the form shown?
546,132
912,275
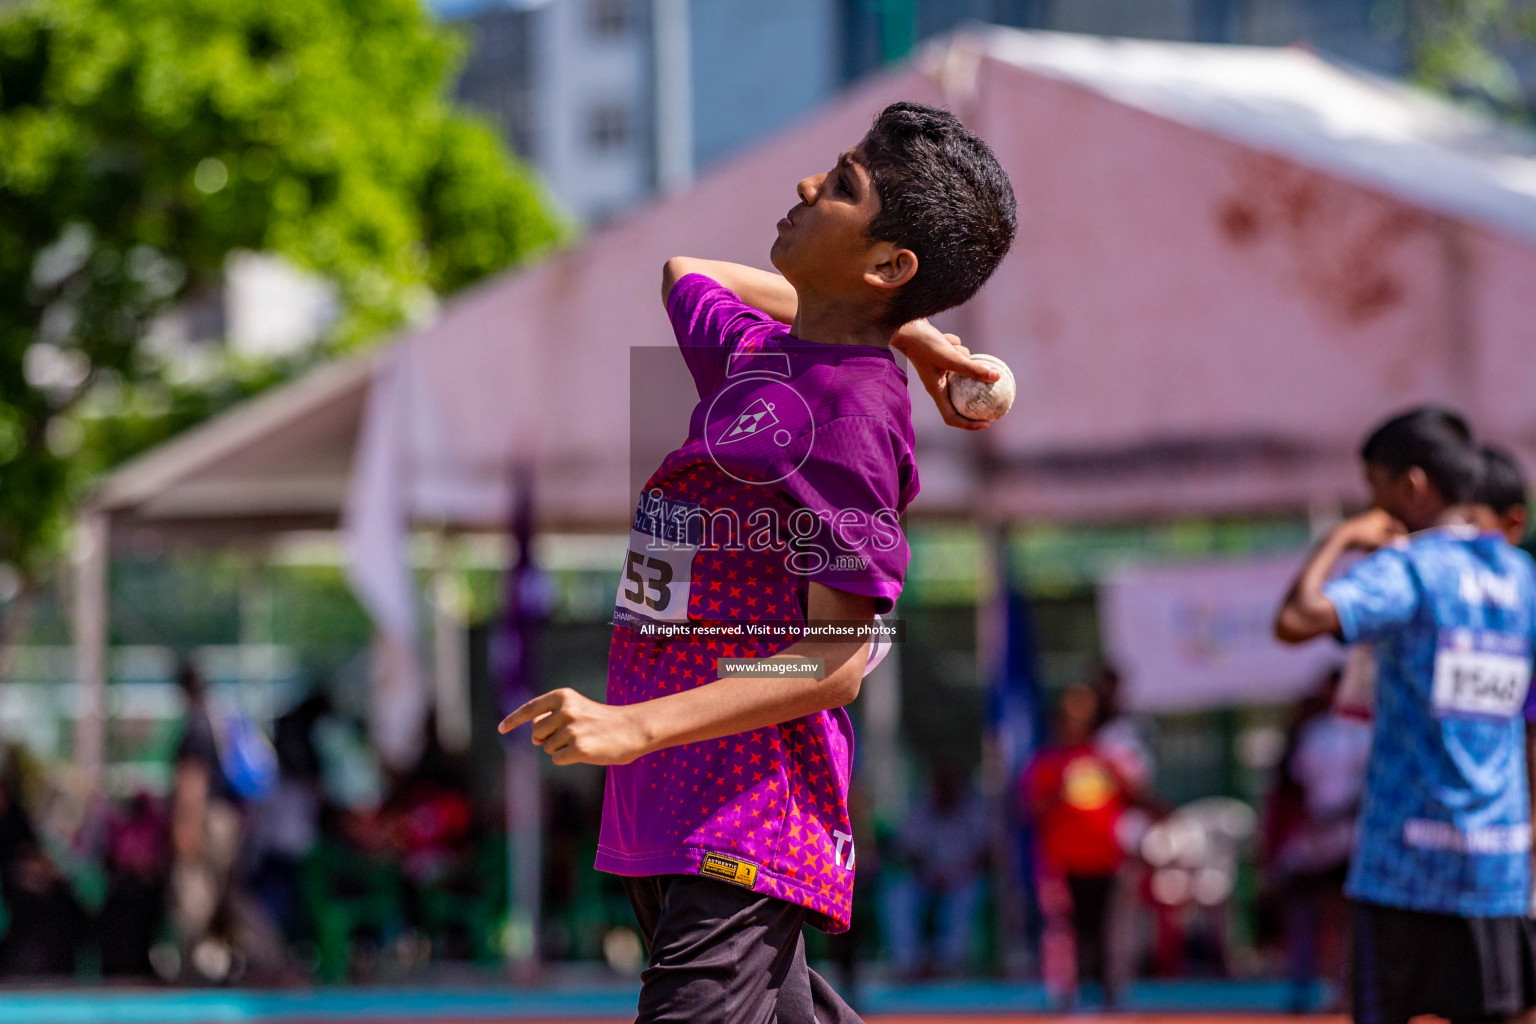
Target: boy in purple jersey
726,802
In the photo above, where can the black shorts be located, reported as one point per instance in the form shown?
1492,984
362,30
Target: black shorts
720,954
1410,962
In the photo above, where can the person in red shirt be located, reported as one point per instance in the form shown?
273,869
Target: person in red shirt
1076,797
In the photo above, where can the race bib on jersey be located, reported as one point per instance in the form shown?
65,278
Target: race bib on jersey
658,567
1481,673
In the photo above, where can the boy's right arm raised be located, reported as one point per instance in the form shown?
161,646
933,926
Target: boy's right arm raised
933,354
1306,611
761,289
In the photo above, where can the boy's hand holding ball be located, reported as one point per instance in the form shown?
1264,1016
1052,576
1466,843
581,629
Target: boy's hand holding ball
970,391
982,400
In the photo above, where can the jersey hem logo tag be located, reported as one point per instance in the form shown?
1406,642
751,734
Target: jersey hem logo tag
729,869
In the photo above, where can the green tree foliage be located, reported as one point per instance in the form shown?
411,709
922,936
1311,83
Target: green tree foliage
1473,49
142,141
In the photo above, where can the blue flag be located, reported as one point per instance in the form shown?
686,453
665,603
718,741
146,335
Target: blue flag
1016,722
1015,709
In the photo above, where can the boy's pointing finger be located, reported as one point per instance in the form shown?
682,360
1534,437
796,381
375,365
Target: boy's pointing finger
541,705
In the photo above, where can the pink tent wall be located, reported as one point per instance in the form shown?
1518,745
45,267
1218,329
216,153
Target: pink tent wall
1226,321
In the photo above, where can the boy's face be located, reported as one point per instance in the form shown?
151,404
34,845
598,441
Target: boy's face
1075,716
1511,524
1514,523
823,248
1408,496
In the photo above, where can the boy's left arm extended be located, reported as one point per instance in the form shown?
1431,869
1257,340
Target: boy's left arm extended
574,729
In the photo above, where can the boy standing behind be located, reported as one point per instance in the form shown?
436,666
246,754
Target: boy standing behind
726,801
1441,870
1504,506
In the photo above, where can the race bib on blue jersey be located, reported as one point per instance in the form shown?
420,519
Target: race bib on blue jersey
1481,673
658,567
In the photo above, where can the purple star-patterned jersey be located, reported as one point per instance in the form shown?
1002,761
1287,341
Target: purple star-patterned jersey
797,467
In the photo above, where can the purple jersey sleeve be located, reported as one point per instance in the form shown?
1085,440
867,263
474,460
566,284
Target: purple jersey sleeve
857,479
709,320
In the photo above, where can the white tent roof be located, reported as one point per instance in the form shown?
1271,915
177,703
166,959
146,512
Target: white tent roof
280,461
1231,263
1357,125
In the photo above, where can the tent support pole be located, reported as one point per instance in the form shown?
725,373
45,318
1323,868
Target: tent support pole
90,629
992,625
879,758
449,652
525,837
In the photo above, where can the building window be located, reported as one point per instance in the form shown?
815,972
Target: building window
608,19
608,127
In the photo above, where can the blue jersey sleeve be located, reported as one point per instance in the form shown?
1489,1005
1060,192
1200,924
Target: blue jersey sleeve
1376,596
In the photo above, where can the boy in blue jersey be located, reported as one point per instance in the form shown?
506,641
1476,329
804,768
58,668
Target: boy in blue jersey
1441,870
1503,506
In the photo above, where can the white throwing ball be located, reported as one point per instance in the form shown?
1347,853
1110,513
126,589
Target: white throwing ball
976,400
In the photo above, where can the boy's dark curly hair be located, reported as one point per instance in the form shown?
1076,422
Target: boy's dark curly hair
944,196
1436,440
1504,485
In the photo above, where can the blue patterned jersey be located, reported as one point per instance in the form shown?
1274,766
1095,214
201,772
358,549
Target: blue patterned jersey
1445,825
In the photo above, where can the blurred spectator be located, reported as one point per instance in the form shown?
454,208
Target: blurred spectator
206,824
1355,694
567,841
1193,854
945,840
1124,739
1121,737
223,935
138,852
431,817
1077,796
1310,830
286,825
351,777
47,923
